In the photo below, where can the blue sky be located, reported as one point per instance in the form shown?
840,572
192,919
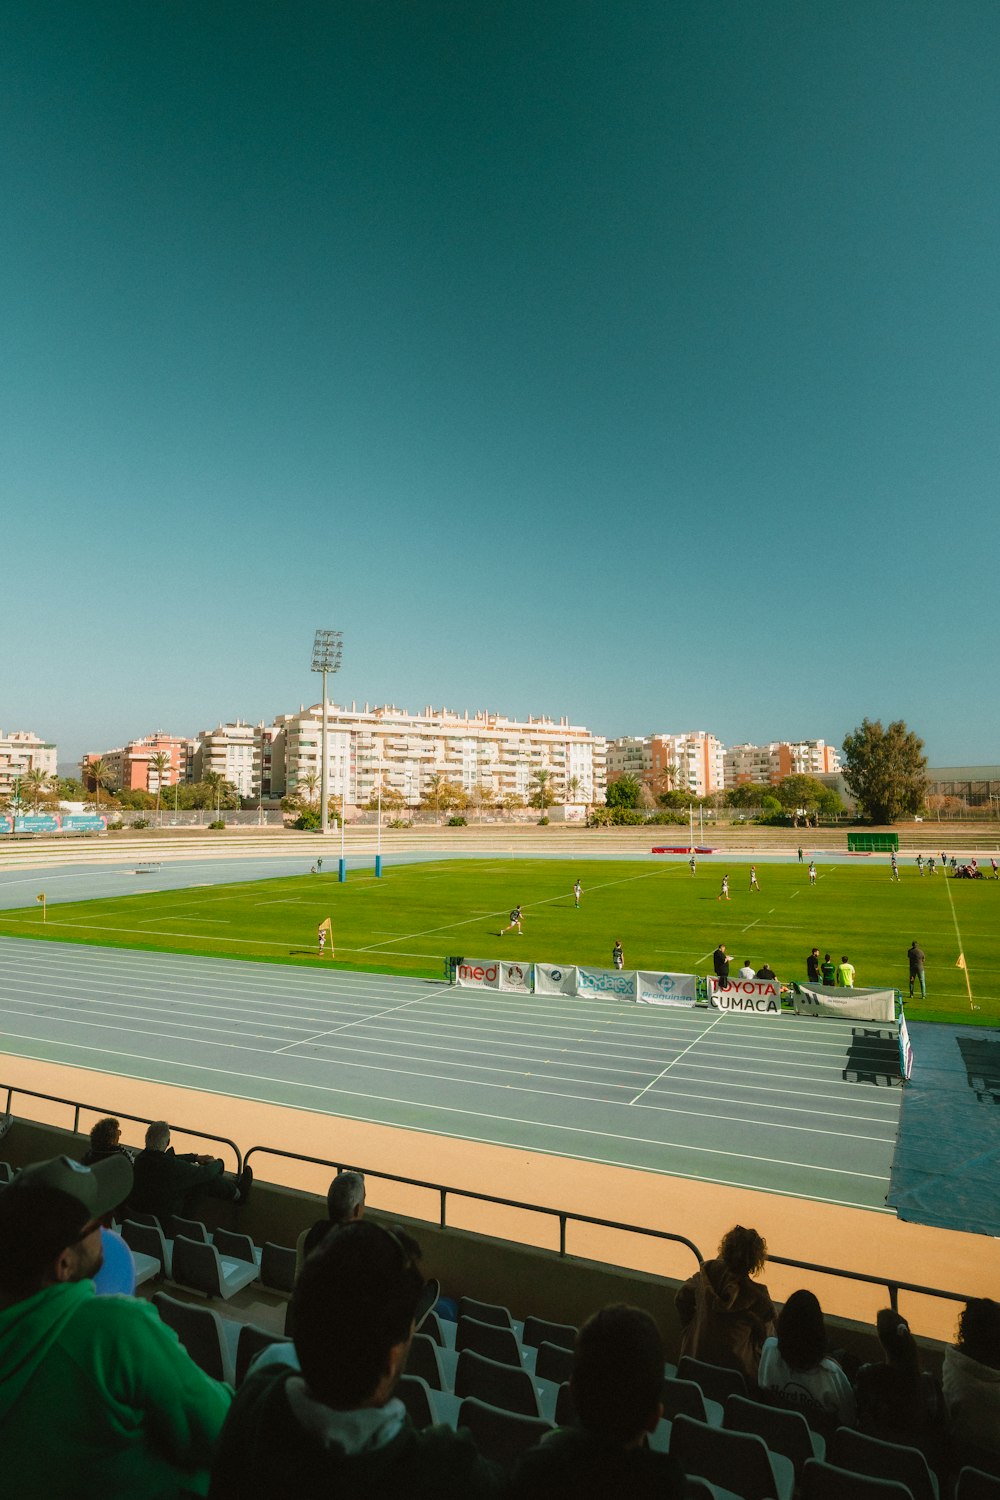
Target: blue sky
632,362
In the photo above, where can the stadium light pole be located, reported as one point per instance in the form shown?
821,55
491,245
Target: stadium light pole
328,647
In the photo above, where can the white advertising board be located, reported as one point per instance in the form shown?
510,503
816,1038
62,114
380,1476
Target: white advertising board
666,989
478,974
555,979
516,978
855,1005
606,984
752,997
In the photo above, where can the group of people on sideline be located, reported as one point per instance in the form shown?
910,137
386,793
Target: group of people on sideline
728,1319
97,1395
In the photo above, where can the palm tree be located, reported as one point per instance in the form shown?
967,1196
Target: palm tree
34,786
97,773
573,786
310,783
543,795
160,763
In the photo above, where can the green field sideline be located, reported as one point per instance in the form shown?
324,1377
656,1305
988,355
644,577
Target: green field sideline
417,913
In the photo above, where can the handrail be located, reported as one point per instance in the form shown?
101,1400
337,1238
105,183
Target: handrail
119,1114
565,1216
892,1286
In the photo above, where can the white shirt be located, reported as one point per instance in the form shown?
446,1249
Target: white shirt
825,1385
747,972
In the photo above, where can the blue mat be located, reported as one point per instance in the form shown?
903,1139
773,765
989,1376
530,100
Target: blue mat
946,1169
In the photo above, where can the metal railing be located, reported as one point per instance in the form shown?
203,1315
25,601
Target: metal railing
119,1114
565,1217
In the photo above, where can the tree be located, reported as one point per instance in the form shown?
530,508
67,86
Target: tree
511,802
573,788
625,792
392,799
160,763
97,774
309,787
886,770
748,794
542,796
442,795
804,796
37,788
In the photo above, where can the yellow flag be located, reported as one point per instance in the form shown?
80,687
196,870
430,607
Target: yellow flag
960,964
40,897
326,926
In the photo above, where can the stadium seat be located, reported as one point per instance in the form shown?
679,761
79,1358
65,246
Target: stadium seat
497,1383
148,1239
485,1312
250,1342
488,1339
739,1461
277,1267
424,1360
565,1410
191,1229
553,1362
500,1435
852,1450
538,1330
415,1395
785,1432
684,1398
6,1172
717,1382
823,1481
202,1269
236,1246
976,1484
209,1339
432,1326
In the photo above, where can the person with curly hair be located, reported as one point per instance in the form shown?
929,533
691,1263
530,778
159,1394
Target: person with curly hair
726,1315
971,1379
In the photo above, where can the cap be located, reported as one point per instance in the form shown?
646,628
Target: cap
99,1188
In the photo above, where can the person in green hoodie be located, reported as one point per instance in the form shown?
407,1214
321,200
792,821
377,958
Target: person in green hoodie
96,1393
333,1427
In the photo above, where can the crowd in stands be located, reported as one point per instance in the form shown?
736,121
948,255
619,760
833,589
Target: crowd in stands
98,1395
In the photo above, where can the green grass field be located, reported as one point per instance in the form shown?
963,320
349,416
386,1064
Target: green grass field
407,921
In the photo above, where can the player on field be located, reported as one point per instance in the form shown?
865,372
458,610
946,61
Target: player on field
893,867
577,891
753,878
724,893
618,955
812,873
515,921
931,864
694,866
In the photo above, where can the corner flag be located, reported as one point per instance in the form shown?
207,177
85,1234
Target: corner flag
325,931
960,961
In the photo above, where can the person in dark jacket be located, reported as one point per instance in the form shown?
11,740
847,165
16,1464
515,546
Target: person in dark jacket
105,1141
616,1385
336,1428
167,1184
897,1400
726,1316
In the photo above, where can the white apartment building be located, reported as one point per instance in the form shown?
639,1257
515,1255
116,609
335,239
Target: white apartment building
479,751
697,757
22,751
768,764
229,751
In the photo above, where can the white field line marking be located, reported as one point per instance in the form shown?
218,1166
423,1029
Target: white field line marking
451,1109
429,1077
529,906
958,935
361,1021
750,924
687,1049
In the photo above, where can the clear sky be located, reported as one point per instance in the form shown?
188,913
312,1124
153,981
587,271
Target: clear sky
632,361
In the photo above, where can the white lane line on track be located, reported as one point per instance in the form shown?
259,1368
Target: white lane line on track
361,1021
677,1059
452,1109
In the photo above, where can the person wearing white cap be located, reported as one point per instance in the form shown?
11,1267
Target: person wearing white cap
96,1393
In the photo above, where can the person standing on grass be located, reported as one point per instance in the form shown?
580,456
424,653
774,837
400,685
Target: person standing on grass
845,973
828,971
812,873
720,963
916,959
694,866
515,921
800,854
893,867
724,893
577,891
618,955
993,862
753,878
321,938
812,967
920,864
930,864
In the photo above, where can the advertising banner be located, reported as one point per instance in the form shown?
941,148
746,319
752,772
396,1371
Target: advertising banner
555,979
516,978
606,984
854,1005
755,997
84,823
478,974
905,1049
666,989
6,824
37,823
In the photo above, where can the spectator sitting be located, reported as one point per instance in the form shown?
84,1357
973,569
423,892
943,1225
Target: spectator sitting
796,1366
726,1316
167,1184
336,1428
96,1393
106,1140
616,1385
765,972
971,1379
345,1200
897,1401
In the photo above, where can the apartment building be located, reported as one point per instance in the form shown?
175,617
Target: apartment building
768,764
681,762
20,752
227,751
136,767
479,751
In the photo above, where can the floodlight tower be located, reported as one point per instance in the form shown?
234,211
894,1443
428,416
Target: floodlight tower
328,648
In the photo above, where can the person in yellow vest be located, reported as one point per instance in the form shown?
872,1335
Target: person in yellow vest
845,973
